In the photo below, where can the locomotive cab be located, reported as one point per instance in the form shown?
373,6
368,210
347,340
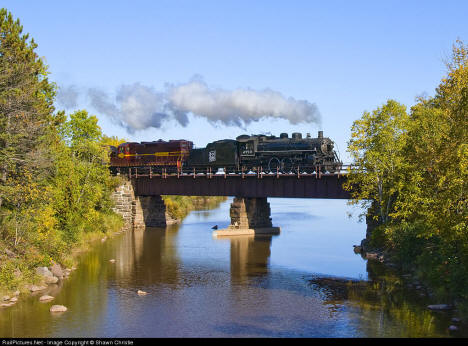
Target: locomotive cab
247,145
219,154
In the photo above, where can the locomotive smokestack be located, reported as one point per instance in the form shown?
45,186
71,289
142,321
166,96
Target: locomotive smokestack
320,134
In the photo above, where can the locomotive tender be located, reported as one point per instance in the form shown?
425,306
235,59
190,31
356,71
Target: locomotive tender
258,153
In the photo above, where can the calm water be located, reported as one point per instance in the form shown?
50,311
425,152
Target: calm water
230,287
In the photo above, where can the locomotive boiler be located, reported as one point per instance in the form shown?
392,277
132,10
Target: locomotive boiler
269,153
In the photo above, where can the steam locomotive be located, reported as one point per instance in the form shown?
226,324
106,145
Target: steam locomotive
258,153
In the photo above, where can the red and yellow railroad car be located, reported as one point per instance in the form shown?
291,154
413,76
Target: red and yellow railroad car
169,155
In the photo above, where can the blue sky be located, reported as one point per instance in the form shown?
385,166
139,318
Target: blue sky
344,56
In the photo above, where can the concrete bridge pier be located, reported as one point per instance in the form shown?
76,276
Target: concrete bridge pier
249,216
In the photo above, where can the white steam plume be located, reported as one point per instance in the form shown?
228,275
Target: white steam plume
68,96
138,107
240,105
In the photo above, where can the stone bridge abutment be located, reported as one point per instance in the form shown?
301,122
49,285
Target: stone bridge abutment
138,212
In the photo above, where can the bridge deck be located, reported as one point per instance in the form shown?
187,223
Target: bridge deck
243,185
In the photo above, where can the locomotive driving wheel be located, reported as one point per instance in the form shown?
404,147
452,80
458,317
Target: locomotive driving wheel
274,164
286,165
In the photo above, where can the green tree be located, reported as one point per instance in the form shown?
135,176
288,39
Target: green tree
437,153
376,146
82,182
26,105
113,140
415,169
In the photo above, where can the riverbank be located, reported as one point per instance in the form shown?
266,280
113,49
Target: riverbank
19,268
20,274
410,274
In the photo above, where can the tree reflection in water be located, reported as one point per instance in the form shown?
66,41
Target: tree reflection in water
384,303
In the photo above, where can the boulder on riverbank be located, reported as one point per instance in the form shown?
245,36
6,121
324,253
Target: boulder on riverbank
43,271
372,255
47,275
56,270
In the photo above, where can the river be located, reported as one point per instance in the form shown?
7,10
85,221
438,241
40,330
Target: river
305,282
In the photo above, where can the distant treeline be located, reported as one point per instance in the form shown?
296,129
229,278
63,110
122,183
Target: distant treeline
413,165
179,206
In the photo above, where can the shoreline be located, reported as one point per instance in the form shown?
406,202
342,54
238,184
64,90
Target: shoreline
35,283
412,281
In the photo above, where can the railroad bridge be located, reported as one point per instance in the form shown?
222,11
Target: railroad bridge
139,200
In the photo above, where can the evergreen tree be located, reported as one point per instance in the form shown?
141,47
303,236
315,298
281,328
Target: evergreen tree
26,108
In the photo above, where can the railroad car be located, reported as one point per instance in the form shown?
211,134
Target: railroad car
160,154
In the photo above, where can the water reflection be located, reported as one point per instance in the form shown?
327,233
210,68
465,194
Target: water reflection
249,256
384,303
146,257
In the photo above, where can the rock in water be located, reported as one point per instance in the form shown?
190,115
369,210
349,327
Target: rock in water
6,305
112,261
45,298
14,300
34,288
58,308
453,328
439,307
51,279
5,298
141,293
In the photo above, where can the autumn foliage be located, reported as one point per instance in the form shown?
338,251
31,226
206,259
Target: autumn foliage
412,171
54,183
